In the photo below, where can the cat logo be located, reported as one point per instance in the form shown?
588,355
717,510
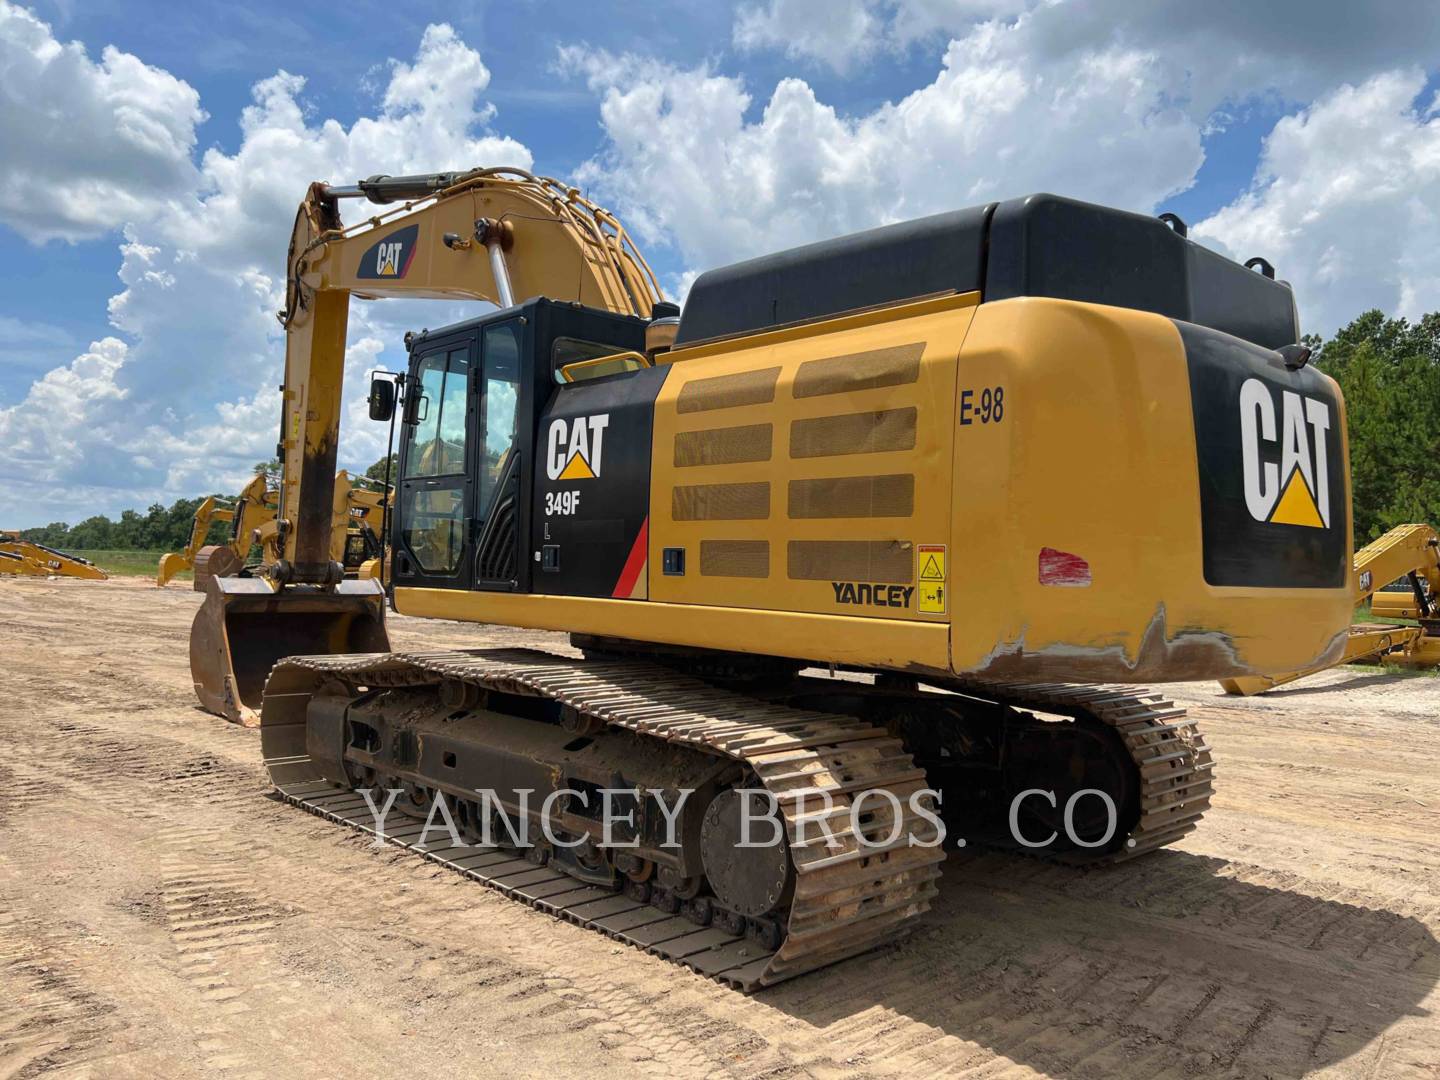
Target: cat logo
387,259
573,447
391,256
1296,489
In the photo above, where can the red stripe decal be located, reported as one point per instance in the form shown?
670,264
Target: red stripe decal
626,585
409,258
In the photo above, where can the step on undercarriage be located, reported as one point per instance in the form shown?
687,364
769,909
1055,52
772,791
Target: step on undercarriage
848,870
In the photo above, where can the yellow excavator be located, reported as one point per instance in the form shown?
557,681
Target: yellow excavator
1409,597
860,539
1409,556
254,507
25,558
357,516
357,537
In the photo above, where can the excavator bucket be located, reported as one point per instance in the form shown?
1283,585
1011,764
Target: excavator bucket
171,563
212,561
245,626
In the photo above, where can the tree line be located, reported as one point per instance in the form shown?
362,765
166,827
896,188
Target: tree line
160,528
1388,368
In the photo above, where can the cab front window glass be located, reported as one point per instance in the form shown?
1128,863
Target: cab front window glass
434,517
436,442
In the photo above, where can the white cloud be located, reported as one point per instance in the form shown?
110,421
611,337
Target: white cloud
1097,99
87,146
684,164
1212,53
834,32
54,430
190,403
918,20
1346,203
25,331
839,33
1230,50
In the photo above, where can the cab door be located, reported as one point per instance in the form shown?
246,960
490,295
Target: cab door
496,455
436,496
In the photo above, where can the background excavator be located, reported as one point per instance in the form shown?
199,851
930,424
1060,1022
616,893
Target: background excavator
254,507
1409,556
29,559
980,463
355,540
1398,599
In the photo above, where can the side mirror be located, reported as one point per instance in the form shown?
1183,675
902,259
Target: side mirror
382,398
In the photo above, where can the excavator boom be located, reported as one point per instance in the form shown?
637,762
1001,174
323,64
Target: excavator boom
175,562
29,559
249,514
447,236
449,239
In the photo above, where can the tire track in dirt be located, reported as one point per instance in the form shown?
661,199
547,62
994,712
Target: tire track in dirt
219,896
48,1019
217,922
870,1043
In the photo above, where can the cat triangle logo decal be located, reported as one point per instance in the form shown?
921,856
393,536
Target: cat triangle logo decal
1288,437
574,446
577,469
1297,505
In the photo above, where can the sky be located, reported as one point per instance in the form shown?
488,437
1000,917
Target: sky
152,156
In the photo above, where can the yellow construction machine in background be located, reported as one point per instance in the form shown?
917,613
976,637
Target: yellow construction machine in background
250,512
354,542
357,525
29,559
1400,575
1398,600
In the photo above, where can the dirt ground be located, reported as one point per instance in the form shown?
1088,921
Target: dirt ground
161,915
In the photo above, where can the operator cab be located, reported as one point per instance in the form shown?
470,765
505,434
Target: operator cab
474,469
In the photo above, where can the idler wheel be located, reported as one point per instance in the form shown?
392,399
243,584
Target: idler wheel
750,880
1063,760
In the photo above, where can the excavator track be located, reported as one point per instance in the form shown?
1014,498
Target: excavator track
848,897
1173,760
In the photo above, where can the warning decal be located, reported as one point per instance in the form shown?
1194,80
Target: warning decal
931,587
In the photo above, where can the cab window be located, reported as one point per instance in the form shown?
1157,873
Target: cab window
567,350
433,516
501,400
435,443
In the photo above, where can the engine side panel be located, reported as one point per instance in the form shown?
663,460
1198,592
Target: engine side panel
810,472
